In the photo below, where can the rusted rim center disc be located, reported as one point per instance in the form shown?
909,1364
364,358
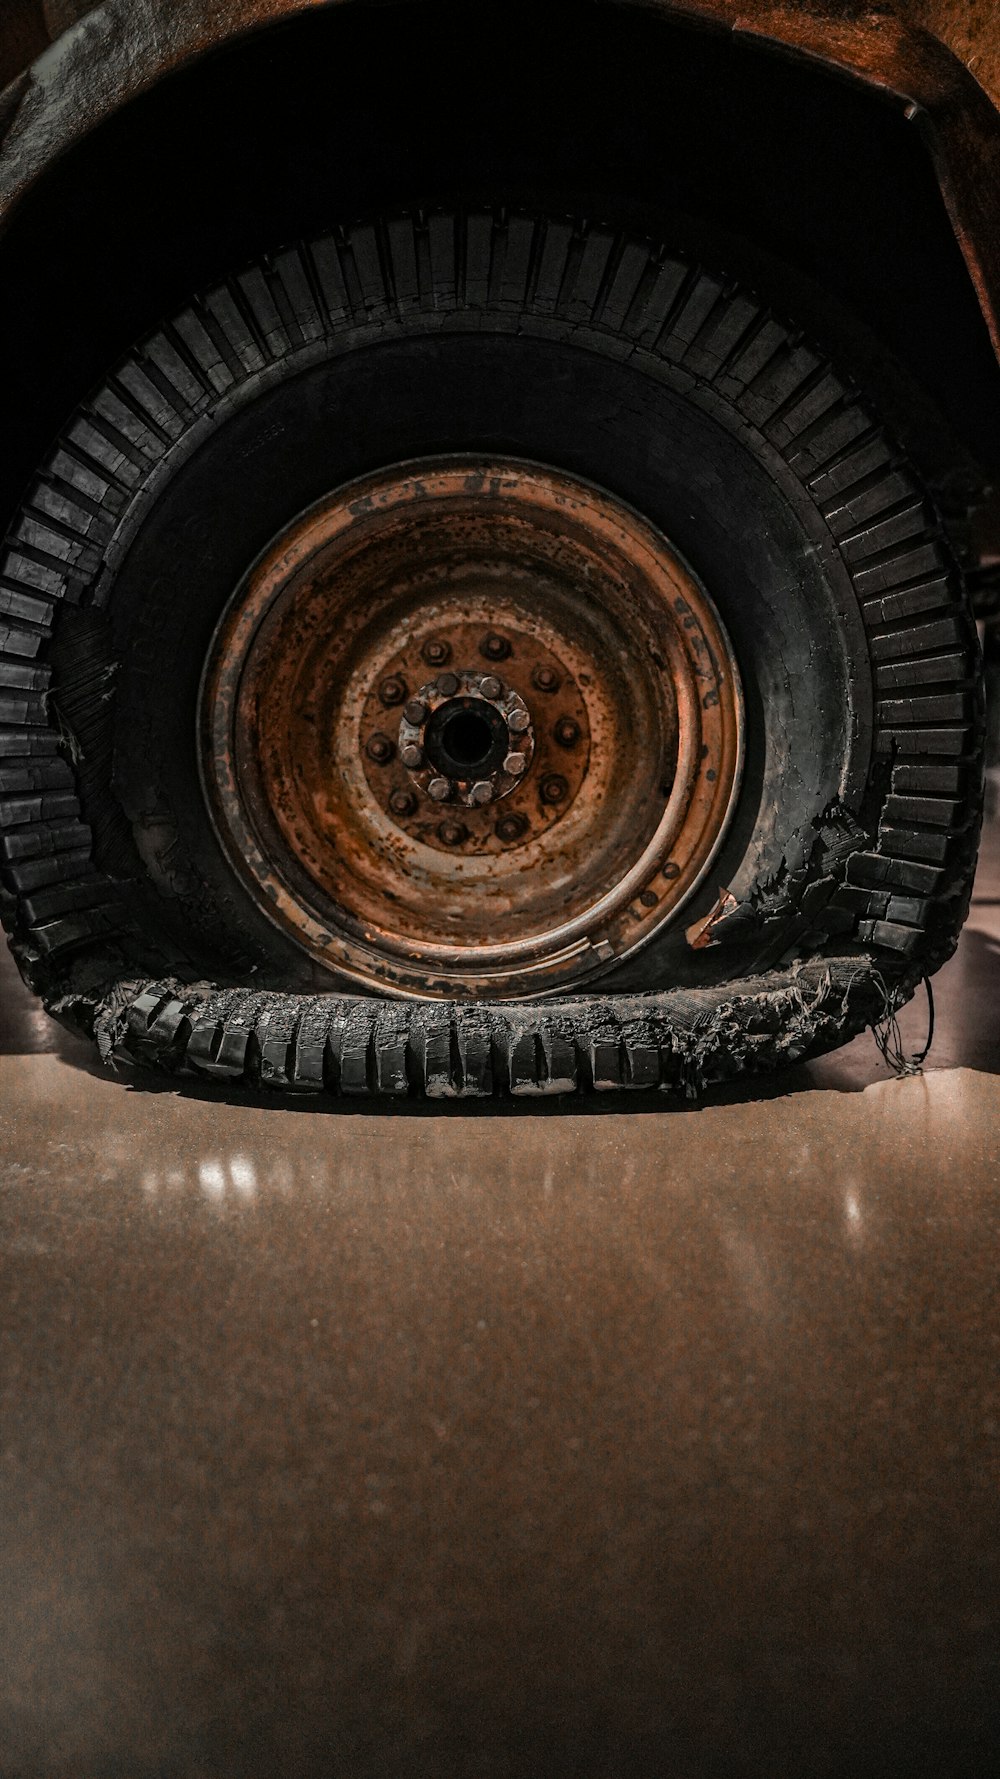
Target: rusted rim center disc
471,728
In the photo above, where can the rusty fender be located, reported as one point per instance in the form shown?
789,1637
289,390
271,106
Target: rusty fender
69,65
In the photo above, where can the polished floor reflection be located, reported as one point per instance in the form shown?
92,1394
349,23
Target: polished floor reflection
564,1440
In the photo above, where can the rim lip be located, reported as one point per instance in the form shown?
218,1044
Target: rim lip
558,944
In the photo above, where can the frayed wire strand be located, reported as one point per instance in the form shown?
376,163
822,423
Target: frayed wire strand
889,1038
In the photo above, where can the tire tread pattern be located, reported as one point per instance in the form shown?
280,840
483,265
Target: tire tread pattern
679,1041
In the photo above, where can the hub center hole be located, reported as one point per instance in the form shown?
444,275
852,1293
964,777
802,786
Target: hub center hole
467,737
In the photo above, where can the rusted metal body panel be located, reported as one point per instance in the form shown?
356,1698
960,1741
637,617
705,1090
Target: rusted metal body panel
939,59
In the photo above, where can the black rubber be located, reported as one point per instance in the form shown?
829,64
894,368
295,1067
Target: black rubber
108,868
677,1041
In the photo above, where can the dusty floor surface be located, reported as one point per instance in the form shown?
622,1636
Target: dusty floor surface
569,1441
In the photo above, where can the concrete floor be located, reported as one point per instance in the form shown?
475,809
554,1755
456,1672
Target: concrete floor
572,1441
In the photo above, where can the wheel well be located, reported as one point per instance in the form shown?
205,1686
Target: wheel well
798,180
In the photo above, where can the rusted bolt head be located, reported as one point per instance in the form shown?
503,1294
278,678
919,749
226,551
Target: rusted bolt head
415,712
545,679
494,647
481,792
380,748
452,833
439,789
447,684
392,690
510,827
490,686
514,764
402,802
436,651
553,788
411,755
566,732
518,721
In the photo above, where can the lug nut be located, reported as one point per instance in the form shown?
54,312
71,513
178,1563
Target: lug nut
415,712
452,833
402,802
435,652
545,679
515,764
411,755
553,788
447,684
566,732
481,792
494,647
380,748
490,686
518,721
439,789
392,690
510,827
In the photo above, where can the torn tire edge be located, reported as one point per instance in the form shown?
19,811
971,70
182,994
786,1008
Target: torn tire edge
679,1040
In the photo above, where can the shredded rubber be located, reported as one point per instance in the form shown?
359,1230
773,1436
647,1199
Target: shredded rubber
677,1041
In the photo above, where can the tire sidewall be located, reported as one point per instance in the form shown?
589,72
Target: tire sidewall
674,449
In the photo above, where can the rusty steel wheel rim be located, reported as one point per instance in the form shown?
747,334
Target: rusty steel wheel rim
471,728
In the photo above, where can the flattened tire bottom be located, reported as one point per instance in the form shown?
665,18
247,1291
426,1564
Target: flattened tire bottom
677,1040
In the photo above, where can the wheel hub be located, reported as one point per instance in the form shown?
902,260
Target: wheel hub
471,728
473,738
466,737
